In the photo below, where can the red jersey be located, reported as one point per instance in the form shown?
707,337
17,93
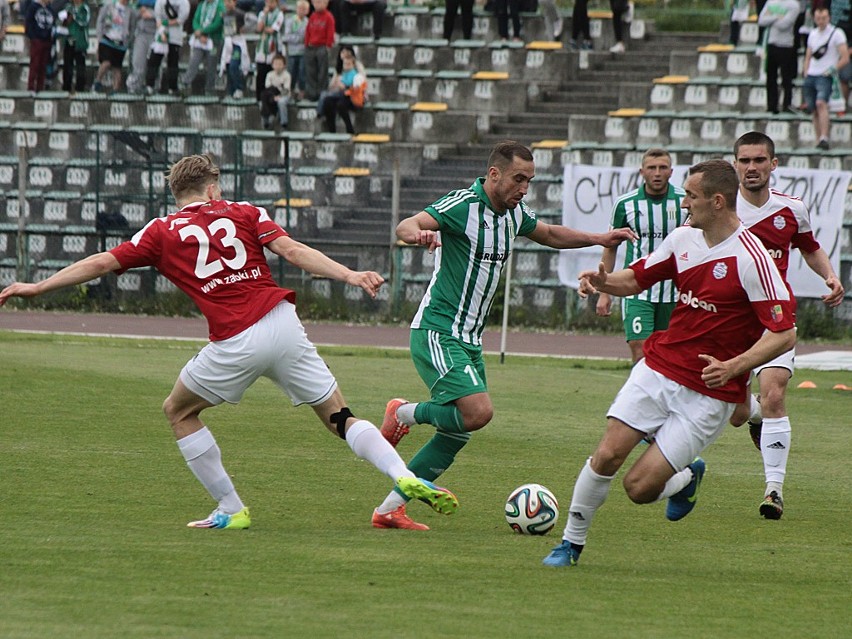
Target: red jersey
727,296
213,252
782,223
320,29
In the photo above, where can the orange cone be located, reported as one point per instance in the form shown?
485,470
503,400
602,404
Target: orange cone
842,387
806,384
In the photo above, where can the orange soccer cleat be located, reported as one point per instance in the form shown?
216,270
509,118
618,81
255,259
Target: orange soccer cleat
396,519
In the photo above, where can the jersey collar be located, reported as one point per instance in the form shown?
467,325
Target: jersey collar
478,187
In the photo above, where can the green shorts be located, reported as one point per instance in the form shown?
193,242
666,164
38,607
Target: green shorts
642,318
449,367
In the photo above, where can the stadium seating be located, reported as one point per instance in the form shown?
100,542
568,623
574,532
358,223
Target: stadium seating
435,109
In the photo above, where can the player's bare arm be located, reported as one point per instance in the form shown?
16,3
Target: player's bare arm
315,262
820,264
420,229
621,283
770,345
604,305
85,270
562,237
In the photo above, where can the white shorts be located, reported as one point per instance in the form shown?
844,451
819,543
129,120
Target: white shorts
784,360
682,421
277,347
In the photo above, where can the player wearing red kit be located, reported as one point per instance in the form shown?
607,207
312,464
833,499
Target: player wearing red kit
782,223
733,312
213,250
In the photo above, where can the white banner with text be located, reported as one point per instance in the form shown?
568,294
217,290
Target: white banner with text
589,193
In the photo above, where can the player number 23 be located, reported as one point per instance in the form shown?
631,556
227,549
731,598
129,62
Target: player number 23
203,268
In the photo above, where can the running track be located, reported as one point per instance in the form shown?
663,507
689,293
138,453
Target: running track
321,333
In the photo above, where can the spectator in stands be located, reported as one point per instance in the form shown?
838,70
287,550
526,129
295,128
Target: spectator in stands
503,9
552,19
5,19
346,92
827,51
780,17
205,44
171,15
269,23
250,6
351,9
841,11
739,14
581,37
759,4
295,25
38,27
276,93
235,61
75,18
622,13
113,33
450,12
799,30
319,38
143,36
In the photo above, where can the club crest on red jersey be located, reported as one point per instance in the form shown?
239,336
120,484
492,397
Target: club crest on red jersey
720,270
777,313
779,222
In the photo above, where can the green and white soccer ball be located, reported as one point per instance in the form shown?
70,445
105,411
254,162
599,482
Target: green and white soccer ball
532,509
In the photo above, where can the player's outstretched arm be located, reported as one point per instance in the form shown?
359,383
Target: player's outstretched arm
621,283
420,229
562,237
819,263
85,270
317,263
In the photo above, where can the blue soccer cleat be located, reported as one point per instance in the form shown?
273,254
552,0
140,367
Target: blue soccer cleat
562,556
682,503
237,521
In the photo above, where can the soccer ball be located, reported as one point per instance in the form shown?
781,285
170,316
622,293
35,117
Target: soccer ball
532,509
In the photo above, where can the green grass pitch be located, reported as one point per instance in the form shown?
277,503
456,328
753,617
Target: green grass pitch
95,498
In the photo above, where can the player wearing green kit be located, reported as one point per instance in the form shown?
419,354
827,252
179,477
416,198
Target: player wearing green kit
471,231
652,211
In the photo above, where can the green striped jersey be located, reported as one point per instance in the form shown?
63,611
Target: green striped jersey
475,244
652,219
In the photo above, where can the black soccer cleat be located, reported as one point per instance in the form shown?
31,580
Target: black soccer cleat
772,506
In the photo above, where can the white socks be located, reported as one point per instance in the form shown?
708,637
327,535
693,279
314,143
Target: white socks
676,483
590,492
367,442
775,448
204,459
393,501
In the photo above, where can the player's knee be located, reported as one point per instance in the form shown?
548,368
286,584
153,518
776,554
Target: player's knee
478,418
639,491
740,416
607,460
772,401
176,412
169,409
340,419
